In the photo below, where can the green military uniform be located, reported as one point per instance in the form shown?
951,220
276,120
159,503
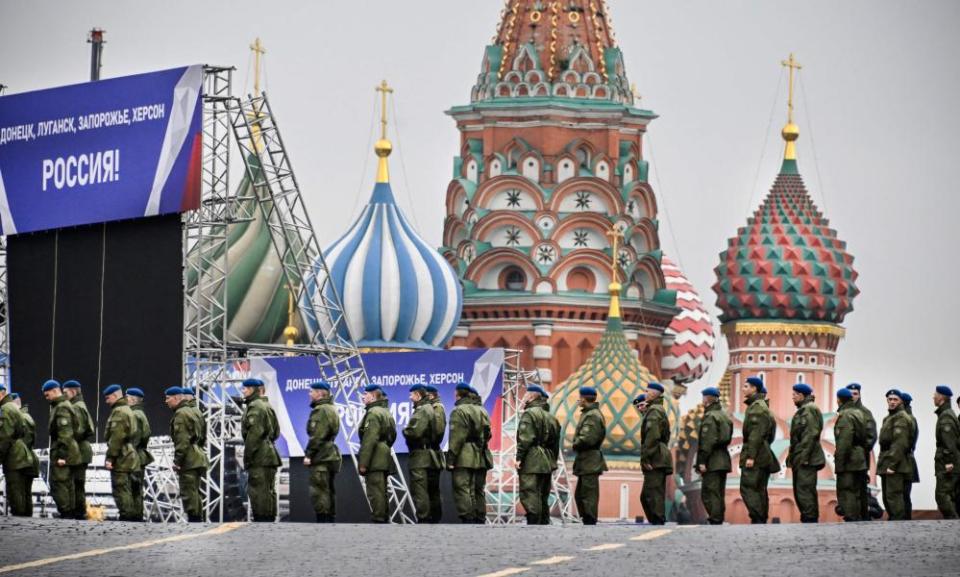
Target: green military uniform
143,427
260,430
465,455
419,434
915,470
480,478
589,463
123,435
322,429
806,458
86,433
29,440
433,475
16,457
948,453
378,431
870,424
850,461
63,446
895,439
655,460
759,430
538,446
187,430
714,435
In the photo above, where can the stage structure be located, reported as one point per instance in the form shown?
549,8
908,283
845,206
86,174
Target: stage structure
503,483
213,363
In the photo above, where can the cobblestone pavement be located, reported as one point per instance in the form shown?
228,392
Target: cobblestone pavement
915,549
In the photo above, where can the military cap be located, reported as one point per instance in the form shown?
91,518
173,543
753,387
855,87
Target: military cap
51,384
711,392
430,389
188,391
944,390
588,392
418,387
655,386
112,389
320,386
844,394
639,399
537,389
803,389
894,392
252,383
135,392
3,387
71,384
854,386
173,391
474,391
462,386
755,381
372,388
907,397
13,396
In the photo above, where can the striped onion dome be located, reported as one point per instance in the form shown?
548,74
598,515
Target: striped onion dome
397,291
692,330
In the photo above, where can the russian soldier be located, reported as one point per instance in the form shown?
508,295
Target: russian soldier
433,475
914,437
28,439
713,457
378,431
806,456
655,459
65,454
465,456
86,434
946,461
538,445
322,454
135,401
480,477
15,456
122,459
757,461
589,463
850,461
189,460
893,464
419,434
871,441
260,430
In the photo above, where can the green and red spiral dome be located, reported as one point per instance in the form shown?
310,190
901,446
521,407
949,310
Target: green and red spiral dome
787,263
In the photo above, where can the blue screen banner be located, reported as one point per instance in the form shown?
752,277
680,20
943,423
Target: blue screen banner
288,380
101,151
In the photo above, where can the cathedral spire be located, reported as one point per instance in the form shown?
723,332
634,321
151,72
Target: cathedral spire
615,236
383,147
791,132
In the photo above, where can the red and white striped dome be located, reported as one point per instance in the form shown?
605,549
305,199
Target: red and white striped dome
692,351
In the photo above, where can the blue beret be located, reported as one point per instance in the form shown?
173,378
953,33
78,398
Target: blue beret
803,388
711,392
71,384
173,391
536,389
639,399
655,386
894,392
854,386
188,391
588,392
418,387
755,381
430,389
252,383
13,396
907,397
944,390
3,387
320,386
462,386
372,388
112,389
135,392
844,394
474,391
51,384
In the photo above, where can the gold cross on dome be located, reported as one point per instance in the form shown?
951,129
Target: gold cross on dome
258,51
614,234
792,64
383,89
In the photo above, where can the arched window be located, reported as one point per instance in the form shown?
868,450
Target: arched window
514,279
801,378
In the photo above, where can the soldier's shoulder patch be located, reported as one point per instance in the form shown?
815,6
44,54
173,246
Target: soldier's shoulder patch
63,421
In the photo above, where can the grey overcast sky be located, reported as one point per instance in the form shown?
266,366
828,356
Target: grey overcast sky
879,88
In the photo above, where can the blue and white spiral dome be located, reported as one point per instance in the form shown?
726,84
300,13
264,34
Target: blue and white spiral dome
397,291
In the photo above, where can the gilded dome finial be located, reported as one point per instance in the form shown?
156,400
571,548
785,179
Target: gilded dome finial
383,147
615,235
791,131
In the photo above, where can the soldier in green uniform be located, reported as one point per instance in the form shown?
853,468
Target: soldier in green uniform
378,431
465,452
419,434
655,459
946,461
322,454
914,437
806,457
189,460
871,441
64,451
850,455
15,456
757,461
589,463
538,445
893,464
260,430
480,477
28,439
122,459
135,401
713,457
86,433
433,475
